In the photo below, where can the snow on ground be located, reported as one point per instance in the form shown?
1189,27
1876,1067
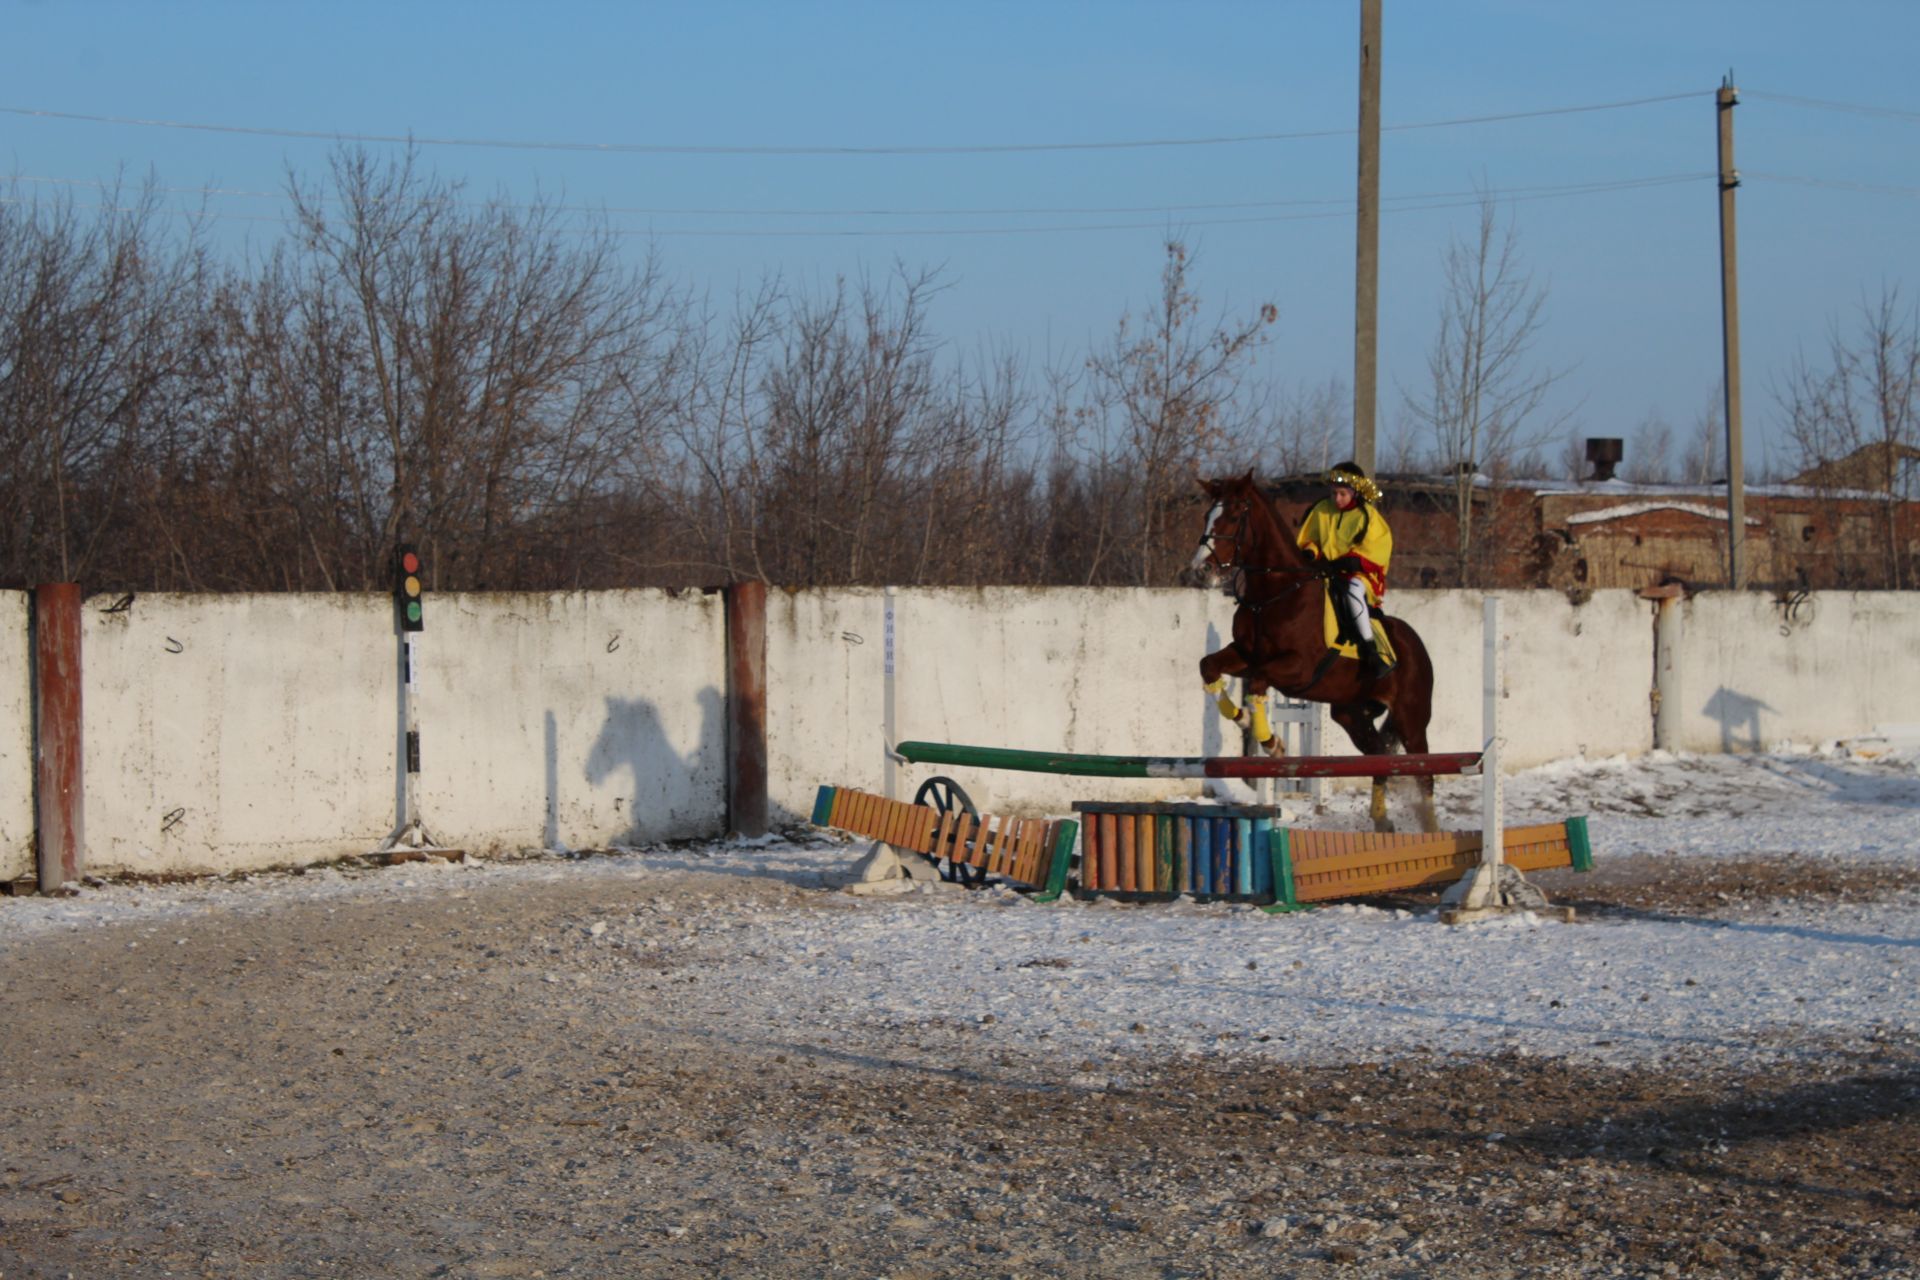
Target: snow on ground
1102,981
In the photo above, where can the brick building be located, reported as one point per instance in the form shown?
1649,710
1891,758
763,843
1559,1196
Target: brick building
1586,535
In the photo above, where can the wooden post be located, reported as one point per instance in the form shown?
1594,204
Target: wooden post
1366,258
1724,102
59,802
746,608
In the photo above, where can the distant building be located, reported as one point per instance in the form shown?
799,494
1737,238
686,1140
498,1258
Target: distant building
1598,533
1874,468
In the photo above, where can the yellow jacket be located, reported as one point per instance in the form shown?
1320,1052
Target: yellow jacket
1360,531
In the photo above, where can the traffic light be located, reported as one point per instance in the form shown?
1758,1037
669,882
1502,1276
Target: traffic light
408,593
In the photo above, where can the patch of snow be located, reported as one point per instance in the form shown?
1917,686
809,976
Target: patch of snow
1642,508
1110,981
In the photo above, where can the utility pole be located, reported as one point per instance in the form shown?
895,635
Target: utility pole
1366,256
1724,102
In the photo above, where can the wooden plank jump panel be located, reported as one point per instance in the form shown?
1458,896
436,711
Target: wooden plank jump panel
1351,864
1243,852
1027,851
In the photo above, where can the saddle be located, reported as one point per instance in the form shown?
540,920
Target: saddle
1339,631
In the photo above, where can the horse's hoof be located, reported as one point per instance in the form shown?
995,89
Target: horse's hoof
1275,747
1383,826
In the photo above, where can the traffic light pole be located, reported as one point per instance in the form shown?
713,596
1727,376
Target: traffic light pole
410,840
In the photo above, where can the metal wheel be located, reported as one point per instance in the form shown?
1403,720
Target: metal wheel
947,796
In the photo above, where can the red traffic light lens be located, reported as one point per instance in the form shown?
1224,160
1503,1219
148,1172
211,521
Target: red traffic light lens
409,562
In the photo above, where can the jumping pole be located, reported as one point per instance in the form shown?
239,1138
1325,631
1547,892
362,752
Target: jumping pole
1495,886
1097,766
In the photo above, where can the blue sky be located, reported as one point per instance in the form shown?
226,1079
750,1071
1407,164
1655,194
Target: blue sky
1042,251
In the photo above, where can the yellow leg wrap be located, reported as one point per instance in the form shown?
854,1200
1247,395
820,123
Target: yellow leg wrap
1378,809
1262,731
1223,700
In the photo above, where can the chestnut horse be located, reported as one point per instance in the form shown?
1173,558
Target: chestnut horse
1279,639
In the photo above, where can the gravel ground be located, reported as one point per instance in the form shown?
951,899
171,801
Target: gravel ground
475,1082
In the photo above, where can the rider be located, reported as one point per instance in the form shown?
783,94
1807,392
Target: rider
1349,540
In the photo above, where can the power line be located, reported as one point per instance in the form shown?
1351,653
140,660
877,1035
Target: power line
650,148
1342,204
1822,104
1832,183
1162,224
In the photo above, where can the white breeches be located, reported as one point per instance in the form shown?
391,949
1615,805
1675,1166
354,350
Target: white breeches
1356,605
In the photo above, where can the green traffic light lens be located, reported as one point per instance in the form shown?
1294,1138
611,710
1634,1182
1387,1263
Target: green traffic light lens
413,611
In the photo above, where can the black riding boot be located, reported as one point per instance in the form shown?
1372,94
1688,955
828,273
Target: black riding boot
1371,667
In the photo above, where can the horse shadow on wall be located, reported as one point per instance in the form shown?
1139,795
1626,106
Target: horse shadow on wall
668,795
1739,717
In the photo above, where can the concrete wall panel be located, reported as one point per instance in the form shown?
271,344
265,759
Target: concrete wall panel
1755,671
1113,671
1578,676
576,720
16,737
232,732
235,732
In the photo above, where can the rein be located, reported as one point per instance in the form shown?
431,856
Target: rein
1246,572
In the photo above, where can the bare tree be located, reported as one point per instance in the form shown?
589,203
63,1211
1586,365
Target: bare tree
503,353
97,354
1172,388
1705,452
1647,453
1310,425
1483,405
1856,417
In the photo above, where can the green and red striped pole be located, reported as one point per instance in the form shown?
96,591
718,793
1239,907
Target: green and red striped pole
1096,766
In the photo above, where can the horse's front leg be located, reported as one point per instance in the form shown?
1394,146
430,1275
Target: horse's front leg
1214,670
1263,734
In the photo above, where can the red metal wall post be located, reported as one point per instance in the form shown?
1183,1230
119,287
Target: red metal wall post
746,604
59,811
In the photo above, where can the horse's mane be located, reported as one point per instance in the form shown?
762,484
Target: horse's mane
1277,526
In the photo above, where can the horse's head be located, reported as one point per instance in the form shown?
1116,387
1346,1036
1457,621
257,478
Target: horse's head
1226,536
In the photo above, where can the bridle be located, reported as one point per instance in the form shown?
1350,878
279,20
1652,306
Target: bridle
1239,573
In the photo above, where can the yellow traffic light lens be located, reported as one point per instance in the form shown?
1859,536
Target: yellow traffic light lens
412,587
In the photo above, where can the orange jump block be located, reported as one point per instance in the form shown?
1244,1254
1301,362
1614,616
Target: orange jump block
1351,864
1028,851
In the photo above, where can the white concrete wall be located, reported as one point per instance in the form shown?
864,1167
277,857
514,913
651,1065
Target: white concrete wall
1578,677
234,732
230,732
1114,671
574,721
1752,674
16,737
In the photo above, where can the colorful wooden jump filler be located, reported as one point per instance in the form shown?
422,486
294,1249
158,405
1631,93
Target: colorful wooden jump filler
1032,852
1224,851
1244,852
